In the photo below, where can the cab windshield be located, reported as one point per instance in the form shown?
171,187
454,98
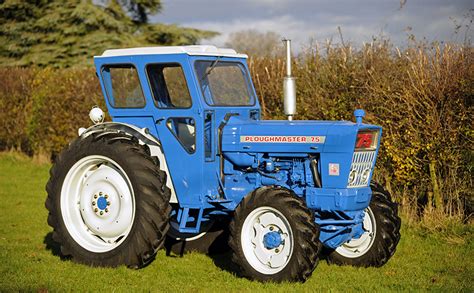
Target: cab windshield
224,83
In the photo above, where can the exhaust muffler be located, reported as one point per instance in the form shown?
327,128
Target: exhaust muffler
289,85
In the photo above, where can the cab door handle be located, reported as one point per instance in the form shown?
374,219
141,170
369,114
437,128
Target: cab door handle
158,121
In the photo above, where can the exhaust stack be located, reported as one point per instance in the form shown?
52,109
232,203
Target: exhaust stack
289,85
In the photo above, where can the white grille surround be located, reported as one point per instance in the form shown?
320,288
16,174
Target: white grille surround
362,162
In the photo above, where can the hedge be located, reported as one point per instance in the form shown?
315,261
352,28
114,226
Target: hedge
421,95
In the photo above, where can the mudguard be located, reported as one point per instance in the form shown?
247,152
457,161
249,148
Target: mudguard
144,137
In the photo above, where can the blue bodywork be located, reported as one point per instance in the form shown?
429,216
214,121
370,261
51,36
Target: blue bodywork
236,152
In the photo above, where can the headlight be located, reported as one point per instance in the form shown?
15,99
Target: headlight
96,115
365,176
352,176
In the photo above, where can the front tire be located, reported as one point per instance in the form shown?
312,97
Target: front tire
107,200
273,236
382,234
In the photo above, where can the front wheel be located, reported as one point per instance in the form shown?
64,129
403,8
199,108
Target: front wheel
379,241
273,236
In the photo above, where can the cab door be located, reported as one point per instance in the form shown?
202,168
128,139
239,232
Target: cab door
179,126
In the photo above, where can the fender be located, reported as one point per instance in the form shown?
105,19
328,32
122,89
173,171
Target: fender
144,137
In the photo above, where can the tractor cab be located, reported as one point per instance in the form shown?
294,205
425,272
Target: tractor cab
182,95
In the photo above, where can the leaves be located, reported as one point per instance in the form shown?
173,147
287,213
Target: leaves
68,33
421,96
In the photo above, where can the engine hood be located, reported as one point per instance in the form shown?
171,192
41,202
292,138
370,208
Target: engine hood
282,136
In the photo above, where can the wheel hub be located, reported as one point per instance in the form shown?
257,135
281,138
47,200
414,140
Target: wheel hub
104,187
272,240
100,204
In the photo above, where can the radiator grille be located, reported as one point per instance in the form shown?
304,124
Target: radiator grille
362,162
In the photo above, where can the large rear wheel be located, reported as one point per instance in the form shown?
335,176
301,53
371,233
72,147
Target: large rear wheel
107,200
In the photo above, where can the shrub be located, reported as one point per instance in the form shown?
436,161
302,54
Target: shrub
15,106
421,96
42,109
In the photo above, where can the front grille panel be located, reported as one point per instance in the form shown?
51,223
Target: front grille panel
362,161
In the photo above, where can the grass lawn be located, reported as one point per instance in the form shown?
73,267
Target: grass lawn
423,261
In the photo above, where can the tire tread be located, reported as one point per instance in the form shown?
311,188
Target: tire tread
387,236
151,196
307,245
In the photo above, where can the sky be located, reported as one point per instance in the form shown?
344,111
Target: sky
305,20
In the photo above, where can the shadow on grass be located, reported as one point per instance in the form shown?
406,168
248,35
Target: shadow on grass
53,246
214,244
55,249
217,250
225,263
222,260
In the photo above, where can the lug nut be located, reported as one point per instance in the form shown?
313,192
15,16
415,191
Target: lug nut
271,228
93,203
101,213
106,196
106,210
96,210
95,195
108,203
277,250
100,193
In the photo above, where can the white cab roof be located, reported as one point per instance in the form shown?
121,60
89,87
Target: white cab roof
197,50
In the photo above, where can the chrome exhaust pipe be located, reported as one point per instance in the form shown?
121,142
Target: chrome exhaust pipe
289,85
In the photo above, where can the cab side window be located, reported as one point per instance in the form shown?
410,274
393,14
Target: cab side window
169,86
123,86
184,130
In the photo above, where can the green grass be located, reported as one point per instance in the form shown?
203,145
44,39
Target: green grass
423,261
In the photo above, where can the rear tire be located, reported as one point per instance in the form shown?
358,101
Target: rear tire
107,200
375,247
273,236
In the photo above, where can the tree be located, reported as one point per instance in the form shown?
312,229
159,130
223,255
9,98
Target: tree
255,43
140,9
66,33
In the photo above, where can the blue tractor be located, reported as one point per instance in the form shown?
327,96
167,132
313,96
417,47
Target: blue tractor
187,160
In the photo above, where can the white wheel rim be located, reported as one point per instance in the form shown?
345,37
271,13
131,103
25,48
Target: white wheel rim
259,223
357,247
97,203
